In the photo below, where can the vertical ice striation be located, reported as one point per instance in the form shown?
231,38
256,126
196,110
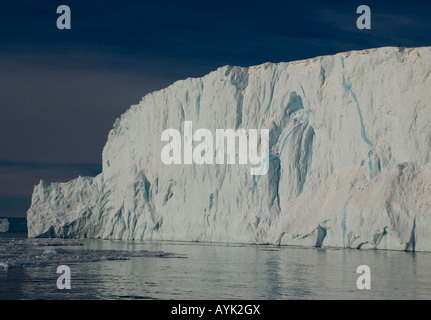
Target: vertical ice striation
344,224
363,134
319,190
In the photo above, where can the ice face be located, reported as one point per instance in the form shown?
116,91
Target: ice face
349,163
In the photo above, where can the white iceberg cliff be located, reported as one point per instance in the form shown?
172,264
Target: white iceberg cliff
350,147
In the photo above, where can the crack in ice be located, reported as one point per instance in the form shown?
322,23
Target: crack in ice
277,157
343,223
348,87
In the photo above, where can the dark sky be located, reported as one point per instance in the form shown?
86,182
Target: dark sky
61,90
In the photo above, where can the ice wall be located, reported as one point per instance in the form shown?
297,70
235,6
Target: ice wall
350,141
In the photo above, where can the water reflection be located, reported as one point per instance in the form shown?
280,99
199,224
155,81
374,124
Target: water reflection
220,271
272,274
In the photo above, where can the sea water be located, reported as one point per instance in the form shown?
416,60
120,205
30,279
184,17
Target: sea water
111,269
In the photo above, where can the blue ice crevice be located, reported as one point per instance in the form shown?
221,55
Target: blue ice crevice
348,87
343,223
272,158
295,105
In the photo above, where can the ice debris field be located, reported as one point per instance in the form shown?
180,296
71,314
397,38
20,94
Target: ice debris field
43,252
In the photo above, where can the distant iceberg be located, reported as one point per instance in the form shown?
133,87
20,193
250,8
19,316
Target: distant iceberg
13,225
350,144
4,225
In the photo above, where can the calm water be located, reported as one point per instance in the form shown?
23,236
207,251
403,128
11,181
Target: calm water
168,270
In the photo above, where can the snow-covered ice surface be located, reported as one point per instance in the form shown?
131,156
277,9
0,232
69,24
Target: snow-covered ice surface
4,225
350,141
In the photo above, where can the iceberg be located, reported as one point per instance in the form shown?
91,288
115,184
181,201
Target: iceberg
13,224
349,163
4,225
